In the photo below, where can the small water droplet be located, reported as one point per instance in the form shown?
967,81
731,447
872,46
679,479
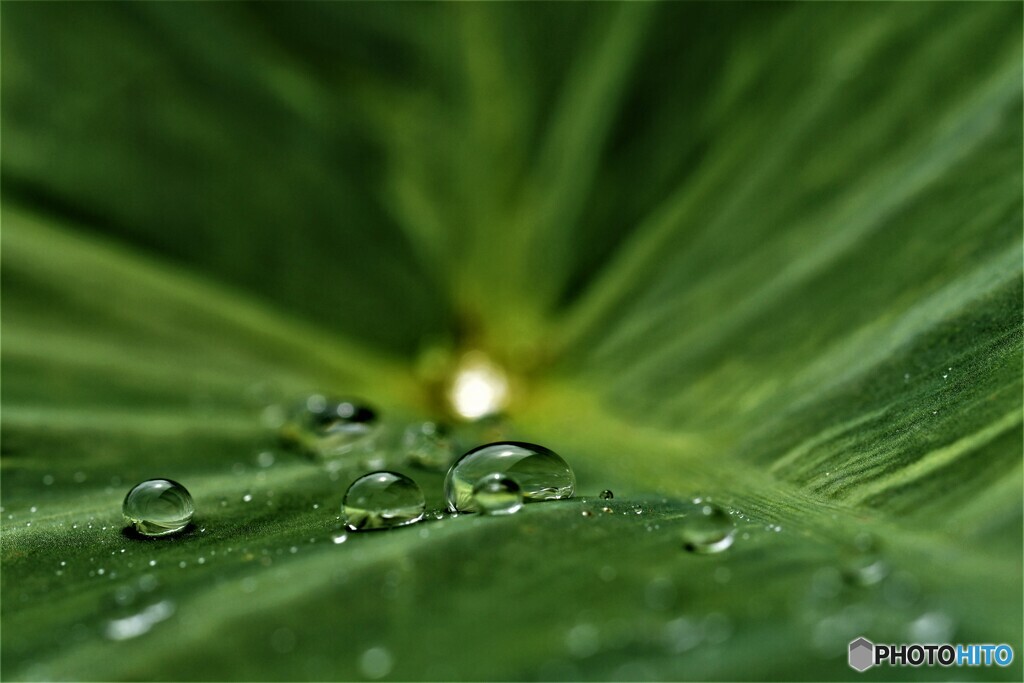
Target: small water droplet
586,513
540,473
607,494
247,498
497,494
381,500
606,509
339,537
48,479
79,477
707,530
142,622
376,662
863,563
329,426
265,459
428,445
158,507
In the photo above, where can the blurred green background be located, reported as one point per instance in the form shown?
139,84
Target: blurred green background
764,252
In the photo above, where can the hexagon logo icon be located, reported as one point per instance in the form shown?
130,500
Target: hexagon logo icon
862,654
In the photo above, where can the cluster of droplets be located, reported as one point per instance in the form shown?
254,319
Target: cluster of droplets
330,427
494,478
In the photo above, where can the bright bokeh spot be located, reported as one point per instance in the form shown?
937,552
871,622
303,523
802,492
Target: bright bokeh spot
479,387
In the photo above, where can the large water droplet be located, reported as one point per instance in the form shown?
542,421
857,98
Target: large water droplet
382,500
158,507
428,445
540,473
328,426
497,494
708,530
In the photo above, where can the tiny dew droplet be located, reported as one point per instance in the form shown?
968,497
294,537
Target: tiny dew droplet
540,473
496,494
328,426
381,500
158,507
708,530
607,494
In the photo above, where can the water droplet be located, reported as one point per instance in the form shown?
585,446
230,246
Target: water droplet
607,494
48,479
381,500
496,494
247,498
265,459
376,662
137,624
606,509
328,427
586,513
540,473
863,564
428,445
79,477
158,507
707,530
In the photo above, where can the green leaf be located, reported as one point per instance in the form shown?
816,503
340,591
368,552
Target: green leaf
764,254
